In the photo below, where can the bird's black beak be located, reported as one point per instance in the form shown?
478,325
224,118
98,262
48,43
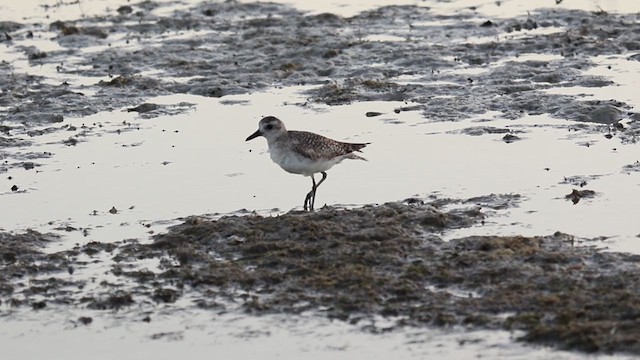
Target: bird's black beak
254,135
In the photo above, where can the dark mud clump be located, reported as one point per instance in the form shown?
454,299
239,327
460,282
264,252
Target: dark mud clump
113,301
390,261
29,276
23,267
576,195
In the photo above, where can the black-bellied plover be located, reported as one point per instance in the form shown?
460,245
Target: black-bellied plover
305,153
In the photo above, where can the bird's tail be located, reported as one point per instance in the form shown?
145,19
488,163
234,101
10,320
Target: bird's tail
351,147
357,147
355,157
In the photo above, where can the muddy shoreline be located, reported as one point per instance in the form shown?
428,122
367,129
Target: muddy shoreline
348,264
353,265
236,48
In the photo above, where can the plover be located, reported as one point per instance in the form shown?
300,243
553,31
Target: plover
304,153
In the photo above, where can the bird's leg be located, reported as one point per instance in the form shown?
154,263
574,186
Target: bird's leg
311,194
315,187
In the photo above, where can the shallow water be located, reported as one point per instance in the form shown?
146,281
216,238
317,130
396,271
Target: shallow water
239,337
198,163
130,175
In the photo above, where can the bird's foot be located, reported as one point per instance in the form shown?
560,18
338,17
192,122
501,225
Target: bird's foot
308,201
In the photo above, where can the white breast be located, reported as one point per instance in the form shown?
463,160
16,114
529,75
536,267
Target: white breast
297,164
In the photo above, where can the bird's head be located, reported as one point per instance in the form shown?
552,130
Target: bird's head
269,127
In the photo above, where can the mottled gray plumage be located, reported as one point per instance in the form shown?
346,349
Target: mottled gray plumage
316,147
305,153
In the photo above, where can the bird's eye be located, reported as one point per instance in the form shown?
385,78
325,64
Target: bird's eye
269,127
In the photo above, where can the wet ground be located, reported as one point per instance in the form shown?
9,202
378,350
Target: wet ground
147,64
355,265
220,49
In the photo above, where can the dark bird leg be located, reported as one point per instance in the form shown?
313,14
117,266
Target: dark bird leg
310,199
315,187
311,194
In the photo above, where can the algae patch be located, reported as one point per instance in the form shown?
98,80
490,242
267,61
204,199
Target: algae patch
389,261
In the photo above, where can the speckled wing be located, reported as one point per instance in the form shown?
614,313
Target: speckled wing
316,147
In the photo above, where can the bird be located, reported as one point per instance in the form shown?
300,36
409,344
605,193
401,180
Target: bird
304,153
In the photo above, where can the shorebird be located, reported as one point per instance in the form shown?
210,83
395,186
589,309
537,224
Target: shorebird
304,153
